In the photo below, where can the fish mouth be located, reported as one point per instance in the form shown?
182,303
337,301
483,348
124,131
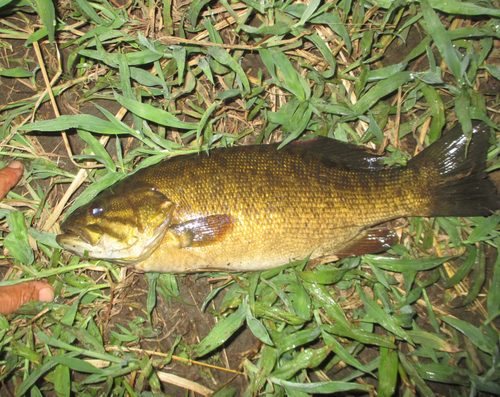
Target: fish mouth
90,235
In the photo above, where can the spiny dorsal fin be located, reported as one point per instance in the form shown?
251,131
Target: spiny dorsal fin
336,153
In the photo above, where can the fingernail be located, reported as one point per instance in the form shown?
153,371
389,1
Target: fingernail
46,294
15,165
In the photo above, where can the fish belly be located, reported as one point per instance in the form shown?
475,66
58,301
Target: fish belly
239,253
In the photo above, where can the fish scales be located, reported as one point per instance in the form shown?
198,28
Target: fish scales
280,207
256,207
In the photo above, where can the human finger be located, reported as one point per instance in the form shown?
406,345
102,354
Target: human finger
9,176
12,297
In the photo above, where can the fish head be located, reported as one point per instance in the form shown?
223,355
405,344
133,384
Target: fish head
123,224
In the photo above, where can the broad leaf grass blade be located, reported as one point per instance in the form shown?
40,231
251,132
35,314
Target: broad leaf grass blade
464,269
46,11
266,57
81,121
442,40
334,22
275,313
451,229
267,362
226,392
311,7
90,12
430,340
77,364
156,115
296,339
476,336
17,240
323,48
222,56
388,372
133,59
414,375
179,54
194,11
204,65
405,265
437,109
203,121
377,313
255,4
379,275
300,120
430,312
222,331
374,128
463,8
290,76
212,295
212,33
462,106
479,277
485,385
325,277
32,378
124,70
321,294
301,302
85,337
69,316
360,336
45,238
16,72
322,387
344,355
443,373
306,358
493,297
380,90
100,153
258,329
483,229
493,70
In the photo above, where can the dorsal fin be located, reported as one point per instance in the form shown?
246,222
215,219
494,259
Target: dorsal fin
336,153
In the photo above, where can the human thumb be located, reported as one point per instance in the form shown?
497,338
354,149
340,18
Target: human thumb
12,297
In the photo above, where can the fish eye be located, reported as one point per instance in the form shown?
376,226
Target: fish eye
96,211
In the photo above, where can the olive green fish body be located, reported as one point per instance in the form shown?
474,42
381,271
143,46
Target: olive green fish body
256,207
274,206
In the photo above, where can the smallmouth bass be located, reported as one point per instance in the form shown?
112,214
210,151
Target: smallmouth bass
255,207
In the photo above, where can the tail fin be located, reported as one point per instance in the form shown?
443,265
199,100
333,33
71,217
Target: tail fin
463,188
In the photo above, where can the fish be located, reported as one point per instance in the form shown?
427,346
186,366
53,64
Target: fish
250,208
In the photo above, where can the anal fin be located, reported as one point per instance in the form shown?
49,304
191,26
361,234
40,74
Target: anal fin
370,241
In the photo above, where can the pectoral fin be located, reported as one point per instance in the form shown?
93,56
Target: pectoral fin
371,241
202,231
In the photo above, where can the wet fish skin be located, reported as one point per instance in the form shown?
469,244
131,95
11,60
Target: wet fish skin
255,207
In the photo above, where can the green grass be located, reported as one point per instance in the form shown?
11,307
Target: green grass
325,69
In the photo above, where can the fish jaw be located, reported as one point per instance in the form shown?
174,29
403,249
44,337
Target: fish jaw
136,248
